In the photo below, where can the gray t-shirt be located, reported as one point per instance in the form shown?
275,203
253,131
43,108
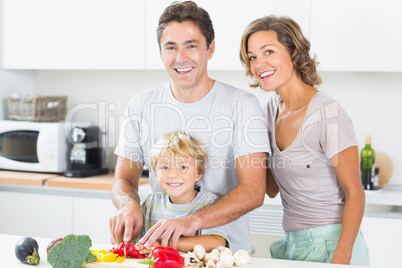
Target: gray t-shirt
157,206
228,121
310,190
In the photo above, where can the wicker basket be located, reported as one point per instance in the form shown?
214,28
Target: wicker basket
37,108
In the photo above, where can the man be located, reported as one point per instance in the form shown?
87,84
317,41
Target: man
228,121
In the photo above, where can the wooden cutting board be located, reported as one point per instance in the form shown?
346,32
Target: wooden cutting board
386,168
126,263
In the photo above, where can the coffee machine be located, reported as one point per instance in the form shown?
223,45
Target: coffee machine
85,154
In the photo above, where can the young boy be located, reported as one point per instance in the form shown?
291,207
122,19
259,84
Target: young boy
179,161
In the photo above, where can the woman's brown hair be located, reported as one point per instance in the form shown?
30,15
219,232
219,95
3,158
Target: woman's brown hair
290,35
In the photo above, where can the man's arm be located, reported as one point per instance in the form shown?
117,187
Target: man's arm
246,196
127,223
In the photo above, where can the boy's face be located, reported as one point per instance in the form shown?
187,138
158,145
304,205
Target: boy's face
177,176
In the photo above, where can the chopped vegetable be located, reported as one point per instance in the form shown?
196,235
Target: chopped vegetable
120,259
127,250
71,252
164,257
104,256
26,250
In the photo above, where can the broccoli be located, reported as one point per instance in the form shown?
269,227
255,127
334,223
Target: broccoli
72,252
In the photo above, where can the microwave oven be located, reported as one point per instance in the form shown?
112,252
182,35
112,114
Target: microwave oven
33,146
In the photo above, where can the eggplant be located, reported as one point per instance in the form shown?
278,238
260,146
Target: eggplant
27,250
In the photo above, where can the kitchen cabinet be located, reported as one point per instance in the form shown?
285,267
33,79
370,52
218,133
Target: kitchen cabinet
91,217
55,214
230,20
34,214
382,235
360,35
73,34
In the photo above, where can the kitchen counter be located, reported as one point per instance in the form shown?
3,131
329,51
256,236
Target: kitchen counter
25,178
8,259
388,196
99,182
76,203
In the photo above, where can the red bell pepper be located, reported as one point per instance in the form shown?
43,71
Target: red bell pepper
164,257
127,250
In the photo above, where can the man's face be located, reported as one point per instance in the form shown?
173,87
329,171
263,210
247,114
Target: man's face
185,54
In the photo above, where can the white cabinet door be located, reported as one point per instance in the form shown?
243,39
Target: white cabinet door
39,215
359,35
383,236
230,18
91,217
73,34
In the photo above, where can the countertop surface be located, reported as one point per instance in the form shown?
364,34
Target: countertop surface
99,182
25,178
8,242
390,195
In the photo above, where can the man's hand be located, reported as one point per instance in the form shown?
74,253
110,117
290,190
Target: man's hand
168,231
126,224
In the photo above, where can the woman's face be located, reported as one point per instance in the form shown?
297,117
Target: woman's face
270,62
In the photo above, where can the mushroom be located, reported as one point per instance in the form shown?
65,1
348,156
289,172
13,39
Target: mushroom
211,259
226,250
190,258
241,257
216,251
199,251
220,264
227,258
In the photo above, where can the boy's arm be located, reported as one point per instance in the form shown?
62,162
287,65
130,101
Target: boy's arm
187,243
246,196
209,242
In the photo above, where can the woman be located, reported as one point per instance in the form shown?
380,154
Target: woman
314,158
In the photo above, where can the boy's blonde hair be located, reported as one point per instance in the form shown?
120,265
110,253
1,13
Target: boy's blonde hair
180,143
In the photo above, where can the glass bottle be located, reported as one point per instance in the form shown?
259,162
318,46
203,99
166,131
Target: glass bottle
367,168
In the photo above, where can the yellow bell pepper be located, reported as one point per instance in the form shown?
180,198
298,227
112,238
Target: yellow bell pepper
104,256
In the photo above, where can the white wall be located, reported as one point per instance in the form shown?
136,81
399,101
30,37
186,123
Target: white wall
371,99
